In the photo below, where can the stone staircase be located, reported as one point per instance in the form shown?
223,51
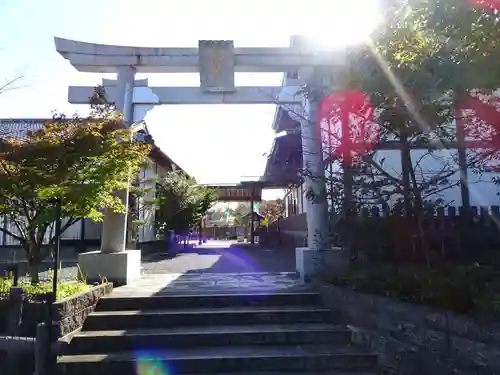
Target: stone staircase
272,334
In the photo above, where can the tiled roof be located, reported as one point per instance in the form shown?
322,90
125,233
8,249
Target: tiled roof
285,161
17,129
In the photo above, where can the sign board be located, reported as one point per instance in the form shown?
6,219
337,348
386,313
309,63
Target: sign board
216,63
235,194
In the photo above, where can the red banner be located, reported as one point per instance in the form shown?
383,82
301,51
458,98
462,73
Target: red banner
478,124
486,4
346,124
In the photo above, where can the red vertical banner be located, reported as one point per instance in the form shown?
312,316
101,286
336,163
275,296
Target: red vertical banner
478,119
346,124
478,124
485,4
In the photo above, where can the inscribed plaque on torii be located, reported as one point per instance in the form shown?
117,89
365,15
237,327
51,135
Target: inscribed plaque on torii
216,60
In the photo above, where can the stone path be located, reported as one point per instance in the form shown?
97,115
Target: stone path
223,257
216,267
199,283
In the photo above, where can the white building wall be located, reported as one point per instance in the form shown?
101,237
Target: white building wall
92,229
73,232
146,213
482,190
147,231
294,195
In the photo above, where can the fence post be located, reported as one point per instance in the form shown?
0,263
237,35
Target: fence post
16,310
41,344
13,325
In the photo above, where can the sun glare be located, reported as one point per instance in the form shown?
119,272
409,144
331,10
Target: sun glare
342,22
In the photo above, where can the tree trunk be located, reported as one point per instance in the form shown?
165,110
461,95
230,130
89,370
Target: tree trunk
33,269
419,212
406,166
33,255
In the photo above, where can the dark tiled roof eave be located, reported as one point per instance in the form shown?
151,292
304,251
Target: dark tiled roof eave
17,129
285,162
163,159
283,121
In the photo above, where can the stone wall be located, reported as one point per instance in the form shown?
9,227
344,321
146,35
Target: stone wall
289,233
69,313
414,339
294,223
153,247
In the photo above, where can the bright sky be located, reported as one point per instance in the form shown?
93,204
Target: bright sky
213,143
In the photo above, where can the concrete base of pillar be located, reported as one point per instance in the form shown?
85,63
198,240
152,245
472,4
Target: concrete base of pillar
119,268
309,262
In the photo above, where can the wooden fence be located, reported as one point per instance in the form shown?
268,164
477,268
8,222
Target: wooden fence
221,232
20,354
91,230
447,234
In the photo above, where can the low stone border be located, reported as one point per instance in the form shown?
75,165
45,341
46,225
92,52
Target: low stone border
72,311
413,339
69,313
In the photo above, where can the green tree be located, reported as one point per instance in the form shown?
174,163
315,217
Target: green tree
80,161
241,214
216,215
425,58
181,202
273,210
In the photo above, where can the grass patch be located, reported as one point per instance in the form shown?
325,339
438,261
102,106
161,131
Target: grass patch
64,288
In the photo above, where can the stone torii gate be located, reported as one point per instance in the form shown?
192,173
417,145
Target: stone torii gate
216,62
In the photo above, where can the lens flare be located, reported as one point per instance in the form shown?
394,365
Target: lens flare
347,125
149,364
485,4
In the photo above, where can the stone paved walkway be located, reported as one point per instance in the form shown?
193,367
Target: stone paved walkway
217,267
223,257
212,257
213,283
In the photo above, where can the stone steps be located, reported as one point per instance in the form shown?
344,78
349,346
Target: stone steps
186,301
135,319
200,336
258,334
222,359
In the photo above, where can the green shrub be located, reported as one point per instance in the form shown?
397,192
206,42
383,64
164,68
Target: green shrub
64,288
464,289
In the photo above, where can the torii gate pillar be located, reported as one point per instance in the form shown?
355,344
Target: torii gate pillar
113,261
216,62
